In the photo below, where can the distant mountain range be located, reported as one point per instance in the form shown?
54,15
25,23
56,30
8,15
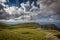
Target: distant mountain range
31,25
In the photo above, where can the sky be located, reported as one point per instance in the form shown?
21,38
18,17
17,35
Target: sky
23,11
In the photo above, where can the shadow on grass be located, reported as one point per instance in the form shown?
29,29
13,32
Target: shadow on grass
3,26
58,36
26,33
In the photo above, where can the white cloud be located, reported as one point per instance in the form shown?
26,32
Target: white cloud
2,0
26,14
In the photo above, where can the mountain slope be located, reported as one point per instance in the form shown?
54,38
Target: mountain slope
27,34
28,31
31,25
41,26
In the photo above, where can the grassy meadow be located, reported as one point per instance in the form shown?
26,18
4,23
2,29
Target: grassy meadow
26,32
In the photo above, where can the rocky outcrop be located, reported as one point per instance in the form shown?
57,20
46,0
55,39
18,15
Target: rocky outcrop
49,27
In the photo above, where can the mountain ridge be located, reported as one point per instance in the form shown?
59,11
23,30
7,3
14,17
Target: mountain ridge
32,25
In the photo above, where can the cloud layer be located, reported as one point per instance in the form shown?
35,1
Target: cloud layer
44,11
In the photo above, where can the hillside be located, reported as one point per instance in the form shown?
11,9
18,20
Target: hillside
35,25
28,31
31,25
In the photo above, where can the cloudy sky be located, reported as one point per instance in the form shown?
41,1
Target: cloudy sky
27,11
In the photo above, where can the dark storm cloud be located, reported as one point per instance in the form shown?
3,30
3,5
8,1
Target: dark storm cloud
1,7
52,5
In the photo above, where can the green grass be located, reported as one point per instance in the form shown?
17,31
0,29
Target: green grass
19,34
24,32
